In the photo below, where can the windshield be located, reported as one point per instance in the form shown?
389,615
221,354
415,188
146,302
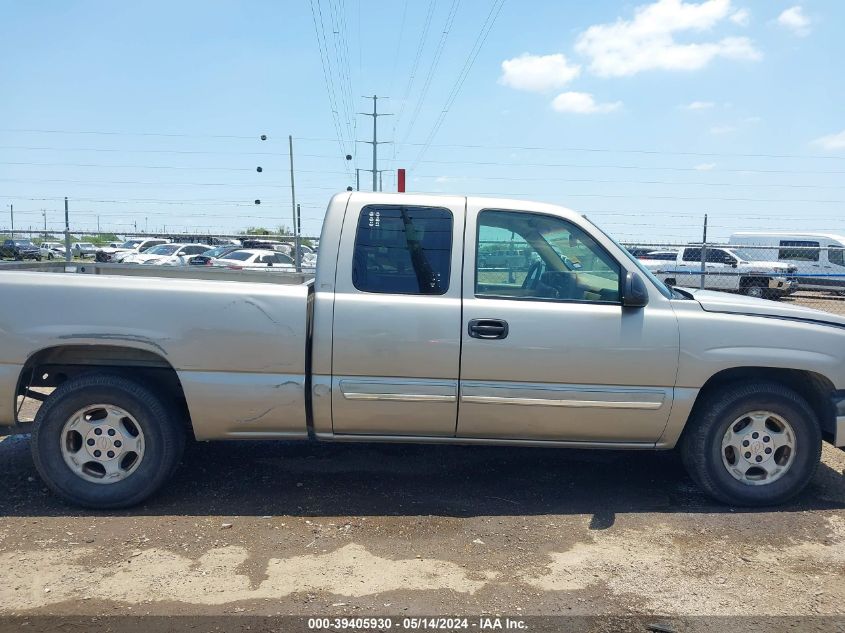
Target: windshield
23,243
130,244
163,249
663,288
86,245
241,256
218,251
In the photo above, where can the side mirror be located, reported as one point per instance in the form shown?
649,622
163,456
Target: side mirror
733,264
634,291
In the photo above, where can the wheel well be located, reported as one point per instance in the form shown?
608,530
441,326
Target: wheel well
814,388
53,366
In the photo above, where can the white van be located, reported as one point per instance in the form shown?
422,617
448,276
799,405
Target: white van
820,257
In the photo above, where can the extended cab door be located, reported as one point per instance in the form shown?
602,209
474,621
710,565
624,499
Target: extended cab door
549,353
397,317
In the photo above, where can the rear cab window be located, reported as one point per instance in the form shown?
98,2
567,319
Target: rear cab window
403,250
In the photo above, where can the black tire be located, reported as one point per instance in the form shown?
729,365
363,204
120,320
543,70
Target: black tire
755,290
164,441
701,444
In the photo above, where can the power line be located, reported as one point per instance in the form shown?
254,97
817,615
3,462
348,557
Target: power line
327,75
415,64
637,167
113,133
604,150
438,52
486,27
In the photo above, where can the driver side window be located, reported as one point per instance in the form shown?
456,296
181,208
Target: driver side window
521,255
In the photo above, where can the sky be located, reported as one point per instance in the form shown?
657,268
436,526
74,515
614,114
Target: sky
644,115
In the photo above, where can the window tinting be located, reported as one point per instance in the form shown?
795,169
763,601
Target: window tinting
801,253
403,250
835,255
524,255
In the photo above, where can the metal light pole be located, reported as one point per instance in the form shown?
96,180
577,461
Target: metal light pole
296,253
67,234
12,213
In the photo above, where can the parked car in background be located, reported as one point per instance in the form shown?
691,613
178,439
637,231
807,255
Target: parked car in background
56,249
819,257
728,269
658,256
19,250
167,254
206,258
83,249
256,259
131,245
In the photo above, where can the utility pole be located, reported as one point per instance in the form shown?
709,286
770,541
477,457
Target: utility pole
703,253
357,179
98,225
67,234
375,142
12,213
296,252
44,215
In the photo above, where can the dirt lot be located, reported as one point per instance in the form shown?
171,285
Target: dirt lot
281,528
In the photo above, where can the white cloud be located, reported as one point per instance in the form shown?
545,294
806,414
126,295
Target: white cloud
741,17
831,141
582,103
538,73
722,129
794,19
705,166
647,42
699,105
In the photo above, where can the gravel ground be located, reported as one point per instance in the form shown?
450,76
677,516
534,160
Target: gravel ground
267,528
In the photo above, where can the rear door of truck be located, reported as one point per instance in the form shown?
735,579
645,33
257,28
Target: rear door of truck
397,317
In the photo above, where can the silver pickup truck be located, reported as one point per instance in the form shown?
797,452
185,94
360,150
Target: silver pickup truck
439,319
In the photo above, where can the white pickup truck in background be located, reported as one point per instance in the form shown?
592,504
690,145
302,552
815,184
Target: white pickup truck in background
725,268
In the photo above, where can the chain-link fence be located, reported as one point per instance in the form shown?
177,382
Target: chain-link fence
801,271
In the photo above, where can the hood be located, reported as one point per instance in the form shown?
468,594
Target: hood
712,301
768,265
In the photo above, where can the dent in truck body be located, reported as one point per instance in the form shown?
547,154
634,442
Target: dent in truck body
8,397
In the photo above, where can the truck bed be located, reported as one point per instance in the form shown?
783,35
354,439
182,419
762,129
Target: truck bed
237,347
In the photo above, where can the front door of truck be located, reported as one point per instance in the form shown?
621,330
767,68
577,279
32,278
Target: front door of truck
397,319
549,353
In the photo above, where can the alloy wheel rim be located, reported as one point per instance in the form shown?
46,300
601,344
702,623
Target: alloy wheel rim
102,443
758,447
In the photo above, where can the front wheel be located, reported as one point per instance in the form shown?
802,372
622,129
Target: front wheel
753,444
755,290
103,441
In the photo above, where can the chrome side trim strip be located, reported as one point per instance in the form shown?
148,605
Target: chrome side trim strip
559,402
402,397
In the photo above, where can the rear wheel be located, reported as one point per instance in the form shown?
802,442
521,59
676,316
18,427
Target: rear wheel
103,441
753,444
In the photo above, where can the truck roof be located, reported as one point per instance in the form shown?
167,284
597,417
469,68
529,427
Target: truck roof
434,199
790,234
